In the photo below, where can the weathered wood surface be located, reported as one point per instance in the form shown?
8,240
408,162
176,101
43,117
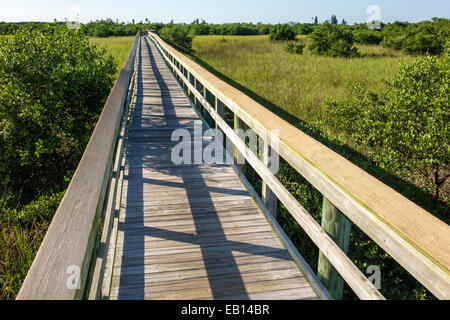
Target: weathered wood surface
411,235
62,262
189,231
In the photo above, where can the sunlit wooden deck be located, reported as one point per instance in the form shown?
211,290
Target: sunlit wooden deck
189,231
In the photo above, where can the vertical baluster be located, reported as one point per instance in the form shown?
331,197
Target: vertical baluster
239,128
271,159
338,226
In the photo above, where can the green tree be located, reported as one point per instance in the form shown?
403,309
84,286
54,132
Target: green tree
423,38
332,40
334,19
177,36
281,32
367,36
407,127
417,38
53,85
304,29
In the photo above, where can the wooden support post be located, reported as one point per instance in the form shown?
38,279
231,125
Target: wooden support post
220,109
211,99
239,128
192,81
204,111
271,159
195,86
338,226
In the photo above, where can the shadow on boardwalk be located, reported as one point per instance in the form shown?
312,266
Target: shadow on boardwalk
224,276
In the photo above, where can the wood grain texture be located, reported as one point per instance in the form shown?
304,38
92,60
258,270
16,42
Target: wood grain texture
411,235
70,238
189,231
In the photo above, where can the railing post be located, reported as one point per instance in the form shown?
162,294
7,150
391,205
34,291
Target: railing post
204,111
192,81
220,109
239,128
338,226
271,159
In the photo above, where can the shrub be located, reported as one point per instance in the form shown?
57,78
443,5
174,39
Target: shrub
295,47
332,40
394,34
406,128
304,29
421,38
367,36
53,85
281,32
199,29
263,29
178,37
36,212
421,43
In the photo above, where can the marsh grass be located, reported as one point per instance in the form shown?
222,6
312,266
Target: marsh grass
18,246
299,84
118,47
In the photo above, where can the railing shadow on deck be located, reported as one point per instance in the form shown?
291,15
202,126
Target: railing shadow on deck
222,284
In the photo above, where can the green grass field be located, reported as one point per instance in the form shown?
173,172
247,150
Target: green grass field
299,84
118,47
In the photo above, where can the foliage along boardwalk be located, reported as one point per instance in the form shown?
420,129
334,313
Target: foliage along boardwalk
188,231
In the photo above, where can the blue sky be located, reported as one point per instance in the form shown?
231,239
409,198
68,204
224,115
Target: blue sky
266,11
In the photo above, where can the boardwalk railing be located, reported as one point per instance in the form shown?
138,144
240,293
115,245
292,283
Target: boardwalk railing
417,240
62,265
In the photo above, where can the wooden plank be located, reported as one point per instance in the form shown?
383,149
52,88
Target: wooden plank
233,291
149,278
202,282
220,265
189,235
248,245
257,280
178,218
132,258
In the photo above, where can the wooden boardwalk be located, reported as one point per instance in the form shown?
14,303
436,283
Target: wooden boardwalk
189,231
198,231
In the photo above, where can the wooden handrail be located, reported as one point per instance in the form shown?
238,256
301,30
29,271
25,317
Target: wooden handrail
412,236
61,266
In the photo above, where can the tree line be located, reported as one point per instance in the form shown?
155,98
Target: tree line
329,37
